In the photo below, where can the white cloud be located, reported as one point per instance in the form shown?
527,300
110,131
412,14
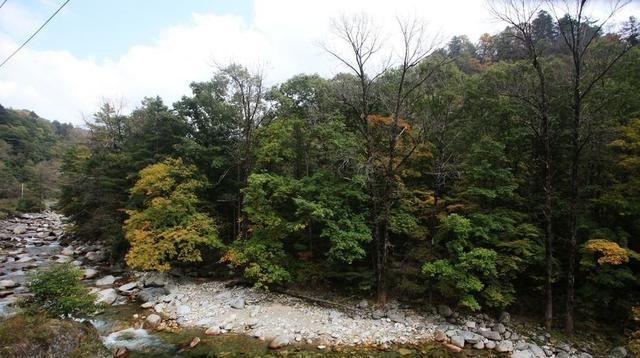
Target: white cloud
283,38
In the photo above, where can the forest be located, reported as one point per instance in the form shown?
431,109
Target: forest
502,173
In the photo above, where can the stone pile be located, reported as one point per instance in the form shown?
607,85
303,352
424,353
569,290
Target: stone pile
30,241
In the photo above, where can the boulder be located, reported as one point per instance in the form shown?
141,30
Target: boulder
505,318
279,342
396,316
238,303
156,279
68,251
537,351
8,284
378,314
522,354
127,287
363,304
458,341
159,307
500,328
470,324
152,321
89,273
91,256
251,322
212,331
504,346
25,259
479,345
493,335
46,337
490,345
445,310
470,337
106,281
151,294
62,259
618,352
20,229
565,347
107,296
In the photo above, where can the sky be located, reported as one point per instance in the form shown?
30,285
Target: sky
124,50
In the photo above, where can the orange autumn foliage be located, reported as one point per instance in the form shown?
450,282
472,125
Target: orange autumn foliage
375,119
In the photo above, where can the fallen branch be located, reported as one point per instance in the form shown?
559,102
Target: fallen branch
319,301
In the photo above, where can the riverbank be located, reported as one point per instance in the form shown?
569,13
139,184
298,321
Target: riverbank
170,304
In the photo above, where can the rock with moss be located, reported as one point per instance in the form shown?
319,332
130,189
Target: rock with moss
37,336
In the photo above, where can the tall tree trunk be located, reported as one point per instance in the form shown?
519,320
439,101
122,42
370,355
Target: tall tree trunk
382,244
548,230
547,189
574,197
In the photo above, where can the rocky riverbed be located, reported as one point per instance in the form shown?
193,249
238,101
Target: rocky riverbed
169,303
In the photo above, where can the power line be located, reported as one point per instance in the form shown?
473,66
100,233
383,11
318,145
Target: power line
34,34
4,2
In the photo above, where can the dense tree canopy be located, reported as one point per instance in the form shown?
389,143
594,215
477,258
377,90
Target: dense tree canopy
488,174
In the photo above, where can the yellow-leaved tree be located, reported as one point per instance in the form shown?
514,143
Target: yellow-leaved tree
168,227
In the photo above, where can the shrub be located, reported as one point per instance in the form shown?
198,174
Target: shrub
30,204
58,291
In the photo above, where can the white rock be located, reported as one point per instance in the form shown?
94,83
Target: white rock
107,296
457,341
89,273
128,287
106,281
238,303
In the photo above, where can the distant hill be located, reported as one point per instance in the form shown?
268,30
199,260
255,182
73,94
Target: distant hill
31,149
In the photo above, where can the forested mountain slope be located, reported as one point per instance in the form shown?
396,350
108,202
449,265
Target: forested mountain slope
496,174
31,150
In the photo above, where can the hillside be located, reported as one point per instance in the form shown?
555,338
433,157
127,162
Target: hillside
31,150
